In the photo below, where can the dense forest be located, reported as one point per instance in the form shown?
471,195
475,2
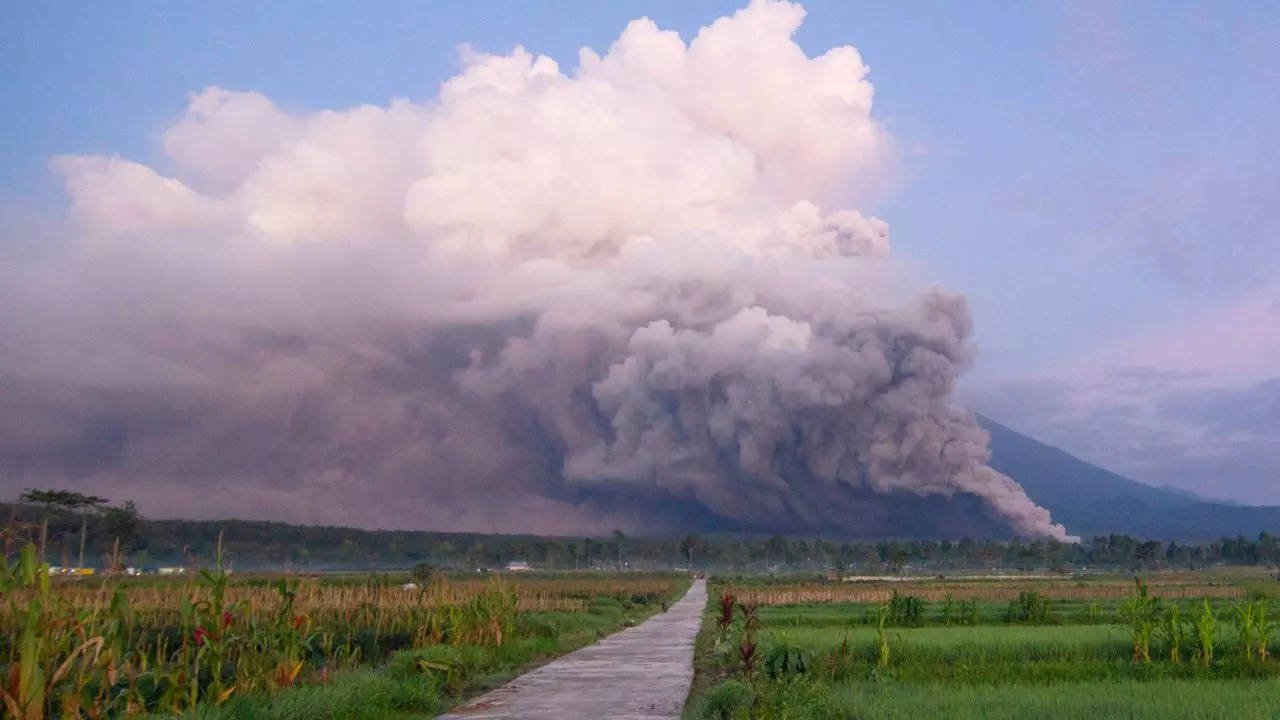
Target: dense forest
120,535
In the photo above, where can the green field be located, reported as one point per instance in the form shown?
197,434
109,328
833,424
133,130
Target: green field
834,660
892,700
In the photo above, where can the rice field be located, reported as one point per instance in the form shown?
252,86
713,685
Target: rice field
1180,646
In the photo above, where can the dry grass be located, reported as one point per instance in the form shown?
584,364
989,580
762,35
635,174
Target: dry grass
997,591
318,598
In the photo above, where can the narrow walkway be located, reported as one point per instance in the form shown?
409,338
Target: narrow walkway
642,672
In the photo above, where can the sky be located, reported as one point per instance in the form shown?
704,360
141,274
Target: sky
1099,179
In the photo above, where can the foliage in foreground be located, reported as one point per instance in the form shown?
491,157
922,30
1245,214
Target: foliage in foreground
61,659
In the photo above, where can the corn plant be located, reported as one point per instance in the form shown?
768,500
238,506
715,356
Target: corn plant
882,638
1139,612
1173,631
1092,613
1264,630
948,609
1206,628
76,650
24,698
1245,618
905,610
1030,607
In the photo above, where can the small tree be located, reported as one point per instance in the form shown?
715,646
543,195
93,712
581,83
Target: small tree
423,573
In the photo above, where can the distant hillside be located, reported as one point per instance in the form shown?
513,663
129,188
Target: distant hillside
1092,501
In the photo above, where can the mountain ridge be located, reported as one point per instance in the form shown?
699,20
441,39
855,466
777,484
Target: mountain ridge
1090,500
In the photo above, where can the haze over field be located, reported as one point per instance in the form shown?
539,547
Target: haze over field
522,304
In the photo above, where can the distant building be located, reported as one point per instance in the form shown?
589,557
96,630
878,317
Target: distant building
518,566
73,571
171,570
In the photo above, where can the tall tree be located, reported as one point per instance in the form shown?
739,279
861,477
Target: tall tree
687,546
69,500
618,540
122,522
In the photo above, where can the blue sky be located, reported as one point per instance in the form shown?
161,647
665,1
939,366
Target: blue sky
1086,173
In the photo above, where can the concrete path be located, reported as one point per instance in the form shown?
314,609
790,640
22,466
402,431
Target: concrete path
641,672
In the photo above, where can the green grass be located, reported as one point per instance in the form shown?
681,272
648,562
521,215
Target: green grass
1065,612
1131,700
981,643
352,695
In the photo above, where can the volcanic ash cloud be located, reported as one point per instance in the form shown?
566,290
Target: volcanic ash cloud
488,309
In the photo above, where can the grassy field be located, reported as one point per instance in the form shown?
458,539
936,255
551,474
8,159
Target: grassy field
1182,699
285,647
991,649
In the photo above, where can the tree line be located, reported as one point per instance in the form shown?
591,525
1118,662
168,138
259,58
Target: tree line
78,529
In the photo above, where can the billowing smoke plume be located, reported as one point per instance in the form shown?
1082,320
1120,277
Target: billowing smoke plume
627,296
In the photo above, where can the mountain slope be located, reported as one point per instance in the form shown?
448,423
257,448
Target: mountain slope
1092,501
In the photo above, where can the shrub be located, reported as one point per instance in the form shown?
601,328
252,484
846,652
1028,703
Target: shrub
446,664
727,701
1030,607
905,610
786,659
1092,613
423,573
725,618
